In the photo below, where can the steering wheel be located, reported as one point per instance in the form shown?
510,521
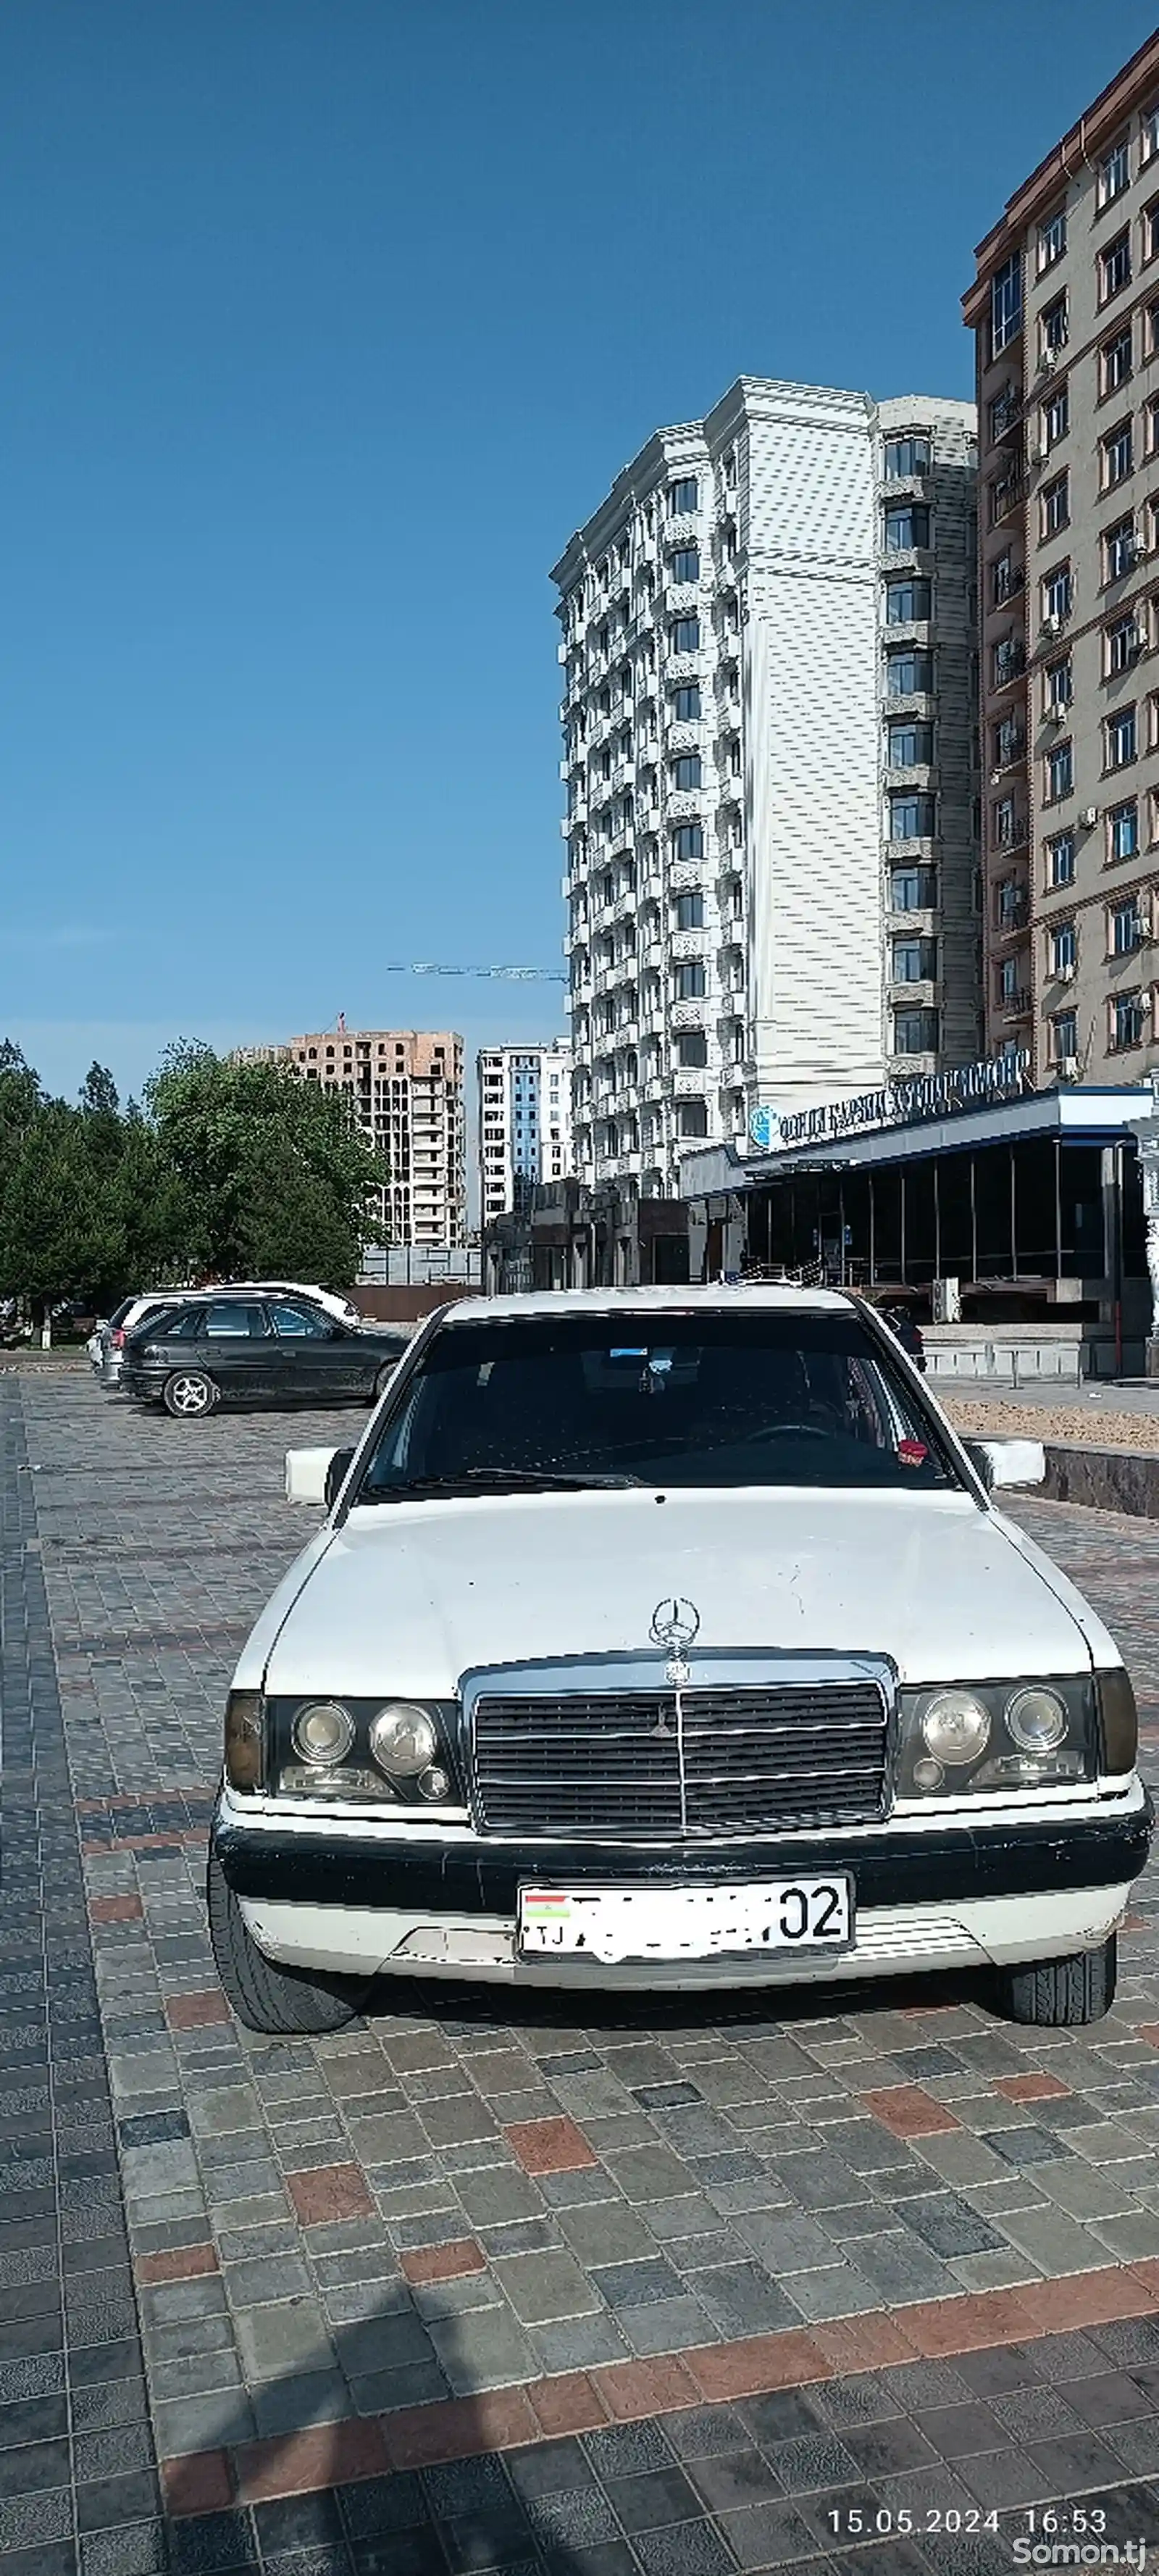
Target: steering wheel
791,1431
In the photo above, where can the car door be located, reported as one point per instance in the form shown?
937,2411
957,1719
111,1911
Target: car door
238,1349
309,1360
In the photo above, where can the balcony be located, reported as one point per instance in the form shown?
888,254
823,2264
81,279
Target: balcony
1017,1005
690,1015
689,943
686,804
1006,497
1015,837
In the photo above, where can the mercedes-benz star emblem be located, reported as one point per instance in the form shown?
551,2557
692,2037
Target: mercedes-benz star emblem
675,1626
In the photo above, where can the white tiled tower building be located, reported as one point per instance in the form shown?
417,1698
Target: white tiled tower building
731,871
524,1121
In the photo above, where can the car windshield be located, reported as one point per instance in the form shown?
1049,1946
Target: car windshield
692,1398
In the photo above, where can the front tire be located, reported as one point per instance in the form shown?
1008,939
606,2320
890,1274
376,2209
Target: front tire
189,1395
282,2002
1061,1994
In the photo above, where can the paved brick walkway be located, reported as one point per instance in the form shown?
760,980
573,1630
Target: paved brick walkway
674,2286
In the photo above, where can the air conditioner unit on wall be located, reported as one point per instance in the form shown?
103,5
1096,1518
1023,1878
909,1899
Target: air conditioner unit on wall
1089,817
1068,1068
1065,974
1048,362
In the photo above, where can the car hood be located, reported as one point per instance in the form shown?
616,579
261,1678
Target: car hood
408,1597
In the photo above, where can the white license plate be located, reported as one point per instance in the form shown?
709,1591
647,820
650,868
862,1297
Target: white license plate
621,1923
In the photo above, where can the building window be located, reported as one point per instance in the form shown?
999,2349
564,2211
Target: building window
683,496
1005,579
907,524
1114,172
1120,646
907,603
1059,771
692,1118
1054,325
688,980
1005,409
1060,860
1117,455
1051,240
1054,506
686,635
687,770
1009,984
1119,735
691,1049
1115,266
1012,905
1151,426
684,565
1127,1020
1119,550
1008,741
1008,660
915,961
1148,136
1126,928
905,456
1151,229
1006,830
1058,687
909,745
1115,362
1006,304
915,1032
913,889
688,841
688,912
686,702
909,672
1063,948
1056,416
1057,592
1064,1037
911,818
1123,831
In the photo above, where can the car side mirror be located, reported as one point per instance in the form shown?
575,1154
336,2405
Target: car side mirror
307,1471
336,1475
1007,1462
979,1458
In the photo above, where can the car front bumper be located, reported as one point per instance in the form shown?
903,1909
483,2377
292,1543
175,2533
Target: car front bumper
928,1895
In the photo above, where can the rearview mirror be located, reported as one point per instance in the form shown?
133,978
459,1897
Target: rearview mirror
307,1471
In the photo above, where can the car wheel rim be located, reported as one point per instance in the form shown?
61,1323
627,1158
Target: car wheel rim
190,1395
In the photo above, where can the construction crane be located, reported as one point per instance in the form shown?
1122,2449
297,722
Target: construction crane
492,974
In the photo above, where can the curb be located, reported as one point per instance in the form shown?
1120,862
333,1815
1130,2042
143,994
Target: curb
1105,1480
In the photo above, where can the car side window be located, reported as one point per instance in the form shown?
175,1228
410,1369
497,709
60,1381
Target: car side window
293,1323
235,1323
184,1328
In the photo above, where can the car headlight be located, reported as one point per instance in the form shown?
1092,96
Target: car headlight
323,1732
404,1740
1036,1720
396,1753
987,1737
955,1727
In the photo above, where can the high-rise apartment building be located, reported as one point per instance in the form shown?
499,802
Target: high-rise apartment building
524,1122
1065,309
768,750
405,1087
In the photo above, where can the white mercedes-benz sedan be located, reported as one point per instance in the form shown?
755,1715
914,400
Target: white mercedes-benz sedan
669,1637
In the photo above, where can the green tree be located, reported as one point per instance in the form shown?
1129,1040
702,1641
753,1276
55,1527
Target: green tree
273,1175
49,1226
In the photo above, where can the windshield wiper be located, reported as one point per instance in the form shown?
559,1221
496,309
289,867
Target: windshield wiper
494,1480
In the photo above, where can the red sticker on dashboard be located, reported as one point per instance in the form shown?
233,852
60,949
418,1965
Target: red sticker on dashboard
912,1453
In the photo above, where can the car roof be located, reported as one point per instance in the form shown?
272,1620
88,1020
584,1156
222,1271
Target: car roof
651,1301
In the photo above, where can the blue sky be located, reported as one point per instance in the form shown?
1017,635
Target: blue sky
325,322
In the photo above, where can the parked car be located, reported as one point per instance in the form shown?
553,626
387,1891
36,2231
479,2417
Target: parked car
229,1347
106,1347
670,1638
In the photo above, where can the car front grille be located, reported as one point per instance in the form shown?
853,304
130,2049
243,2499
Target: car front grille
674,1765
